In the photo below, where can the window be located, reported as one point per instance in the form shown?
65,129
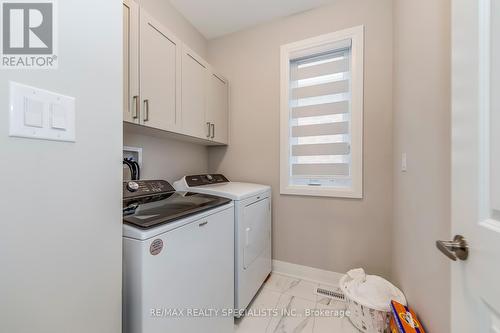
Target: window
322,115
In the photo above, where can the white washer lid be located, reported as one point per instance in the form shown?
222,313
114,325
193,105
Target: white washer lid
232,190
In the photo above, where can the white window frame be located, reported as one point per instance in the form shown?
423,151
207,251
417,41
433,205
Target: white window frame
312,46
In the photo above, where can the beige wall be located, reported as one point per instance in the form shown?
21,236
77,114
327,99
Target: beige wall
422,130
168,159
328,233
165,158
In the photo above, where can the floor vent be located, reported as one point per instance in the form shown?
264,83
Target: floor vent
337,294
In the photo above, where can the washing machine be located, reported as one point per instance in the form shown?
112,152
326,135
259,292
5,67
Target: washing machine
178,260
252,225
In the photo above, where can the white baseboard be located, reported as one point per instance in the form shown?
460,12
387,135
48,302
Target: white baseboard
307,273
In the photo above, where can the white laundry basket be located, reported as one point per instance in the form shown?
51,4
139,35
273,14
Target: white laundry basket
368,299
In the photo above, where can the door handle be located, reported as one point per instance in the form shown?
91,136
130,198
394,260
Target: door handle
146,110
208,129
136,107
202,224
213,130
455,249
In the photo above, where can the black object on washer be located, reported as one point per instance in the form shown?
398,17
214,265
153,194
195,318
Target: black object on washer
150,203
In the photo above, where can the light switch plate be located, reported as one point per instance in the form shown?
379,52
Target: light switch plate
41,114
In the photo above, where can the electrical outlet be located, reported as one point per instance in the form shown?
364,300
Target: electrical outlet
404,165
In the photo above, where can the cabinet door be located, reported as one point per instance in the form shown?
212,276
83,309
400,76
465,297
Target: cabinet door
194,71
217,107
131,99
160,75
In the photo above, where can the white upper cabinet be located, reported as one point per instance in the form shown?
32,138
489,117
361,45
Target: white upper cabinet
194,92
166,85
160,75
131,101
217,107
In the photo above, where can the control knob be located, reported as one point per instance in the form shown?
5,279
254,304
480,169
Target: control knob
132,186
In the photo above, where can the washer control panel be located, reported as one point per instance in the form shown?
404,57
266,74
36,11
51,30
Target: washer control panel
200,180
139,188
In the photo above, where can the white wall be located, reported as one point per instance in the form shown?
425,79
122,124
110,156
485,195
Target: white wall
60,204
166,158
422,129
328,233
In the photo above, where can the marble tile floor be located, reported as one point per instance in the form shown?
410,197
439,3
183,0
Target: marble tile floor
290,305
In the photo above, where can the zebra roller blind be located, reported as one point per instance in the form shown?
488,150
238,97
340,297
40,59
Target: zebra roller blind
320,118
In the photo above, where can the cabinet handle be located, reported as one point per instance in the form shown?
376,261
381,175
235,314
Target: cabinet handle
136,107
202,224
208,128
146,110
247,236
213,130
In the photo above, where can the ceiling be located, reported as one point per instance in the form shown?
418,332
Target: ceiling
214,18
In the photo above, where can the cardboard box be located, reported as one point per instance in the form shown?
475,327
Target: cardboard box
393,328
404,320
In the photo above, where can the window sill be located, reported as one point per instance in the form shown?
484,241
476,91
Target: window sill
322,192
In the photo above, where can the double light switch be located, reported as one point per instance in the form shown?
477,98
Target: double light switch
41,114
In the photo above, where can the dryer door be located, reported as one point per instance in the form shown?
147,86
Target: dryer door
256,229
